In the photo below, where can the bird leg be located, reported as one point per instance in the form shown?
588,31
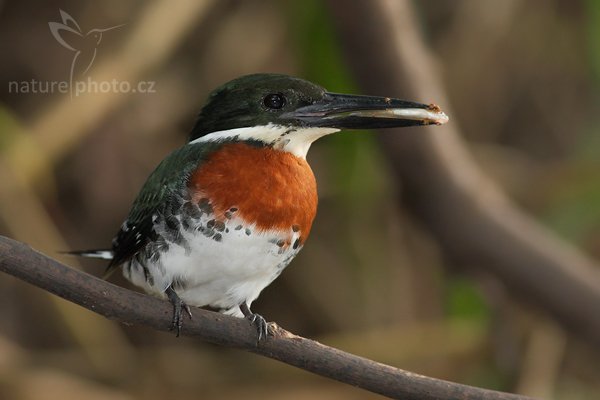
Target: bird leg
178,305
257,320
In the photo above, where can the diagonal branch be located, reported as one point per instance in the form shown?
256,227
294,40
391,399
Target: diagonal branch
133,308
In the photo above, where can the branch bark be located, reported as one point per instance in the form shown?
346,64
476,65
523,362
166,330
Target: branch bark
132,308
467,211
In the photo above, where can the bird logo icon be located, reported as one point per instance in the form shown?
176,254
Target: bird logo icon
85,45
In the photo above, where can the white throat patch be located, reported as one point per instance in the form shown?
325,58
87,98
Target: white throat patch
286,138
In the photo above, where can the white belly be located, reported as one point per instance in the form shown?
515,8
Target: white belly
219,264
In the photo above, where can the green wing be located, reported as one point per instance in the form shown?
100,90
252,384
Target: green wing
159,193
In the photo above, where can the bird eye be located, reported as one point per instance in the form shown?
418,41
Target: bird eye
274,101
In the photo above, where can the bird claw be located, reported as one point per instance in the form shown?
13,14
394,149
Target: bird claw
178,306
187,310
261,324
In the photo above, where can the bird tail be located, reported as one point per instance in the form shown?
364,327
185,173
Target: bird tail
102,254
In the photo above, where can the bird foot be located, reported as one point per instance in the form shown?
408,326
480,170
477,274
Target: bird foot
178,306
261,324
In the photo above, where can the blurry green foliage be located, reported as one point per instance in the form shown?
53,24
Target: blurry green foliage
573,208
593,25
9,127
464,300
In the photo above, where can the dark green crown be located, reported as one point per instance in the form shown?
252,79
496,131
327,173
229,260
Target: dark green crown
252,100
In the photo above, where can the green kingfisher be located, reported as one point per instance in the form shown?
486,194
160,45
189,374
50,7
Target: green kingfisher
221,217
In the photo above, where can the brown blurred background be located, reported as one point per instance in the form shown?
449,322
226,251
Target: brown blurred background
522,78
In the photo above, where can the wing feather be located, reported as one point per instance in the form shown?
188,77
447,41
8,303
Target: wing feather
160,193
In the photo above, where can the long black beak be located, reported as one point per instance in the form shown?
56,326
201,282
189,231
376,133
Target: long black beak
367,112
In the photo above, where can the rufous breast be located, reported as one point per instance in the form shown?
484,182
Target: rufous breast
272,189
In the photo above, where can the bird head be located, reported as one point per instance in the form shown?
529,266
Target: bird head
290,113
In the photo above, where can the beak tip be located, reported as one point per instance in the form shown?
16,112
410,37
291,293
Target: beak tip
440,117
